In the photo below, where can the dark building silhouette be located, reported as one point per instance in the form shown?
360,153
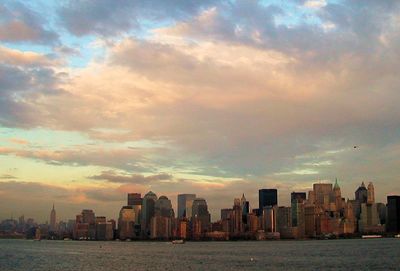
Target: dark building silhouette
393,214
267,197
361,194
299,196
134,199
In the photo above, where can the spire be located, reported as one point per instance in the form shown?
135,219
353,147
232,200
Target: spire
362,184
336,185
53,205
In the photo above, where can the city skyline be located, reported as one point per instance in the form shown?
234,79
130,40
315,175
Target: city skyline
320,213
99,99
214,211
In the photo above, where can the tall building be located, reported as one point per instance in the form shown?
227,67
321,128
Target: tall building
148,208
163,207
135,200
337,196
369,217
323,194
296,200
267,197
53,219
300,196
88,216
370,194
161,222
361,194
200,211
283,220
393,214
185,202
245,205
237,217
298,217
269,218
126,222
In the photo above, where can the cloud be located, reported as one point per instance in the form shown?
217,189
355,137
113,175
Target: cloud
18,23
24,58
113,177
109,19
7,177
127,159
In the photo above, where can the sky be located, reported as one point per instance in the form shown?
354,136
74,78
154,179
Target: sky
218,98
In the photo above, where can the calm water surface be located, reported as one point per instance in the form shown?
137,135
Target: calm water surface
377,254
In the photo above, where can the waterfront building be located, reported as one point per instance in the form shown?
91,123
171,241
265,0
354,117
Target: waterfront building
126,223
200,211
323,195
269,219
104,231
252,222
161,227
226,214
267,197
183,229
148,208
393,214
370,194
337,197
185,202
161,222
382,213
361,194
309,220
53,219
284,221
237,217
369,217
135,200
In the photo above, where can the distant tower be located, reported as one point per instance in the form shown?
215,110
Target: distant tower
361,194
371,194
338,195
53,218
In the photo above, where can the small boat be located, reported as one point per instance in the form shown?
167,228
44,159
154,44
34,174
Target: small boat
397,236
178,242
371,236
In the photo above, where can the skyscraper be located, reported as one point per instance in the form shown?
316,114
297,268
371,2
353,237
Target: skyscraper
185,202
53,219
361,193
126,222
161,222
369,217
200,212
393,214
149,202
135,200
323,194
267,197
237,217
370,194
297,206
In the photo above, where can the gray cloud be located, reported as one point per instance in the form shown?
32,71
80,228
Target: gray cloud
7,177
112,18
18,23
113,177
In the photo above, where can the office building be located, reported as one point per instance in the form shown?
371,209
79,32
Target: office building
393,214
185,202
267,197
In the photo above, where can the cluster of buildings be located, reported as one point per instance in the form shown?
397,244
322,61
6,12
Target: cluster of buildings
319,213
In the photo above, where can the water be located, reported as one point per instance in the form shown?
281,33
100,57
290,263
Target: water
355,254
